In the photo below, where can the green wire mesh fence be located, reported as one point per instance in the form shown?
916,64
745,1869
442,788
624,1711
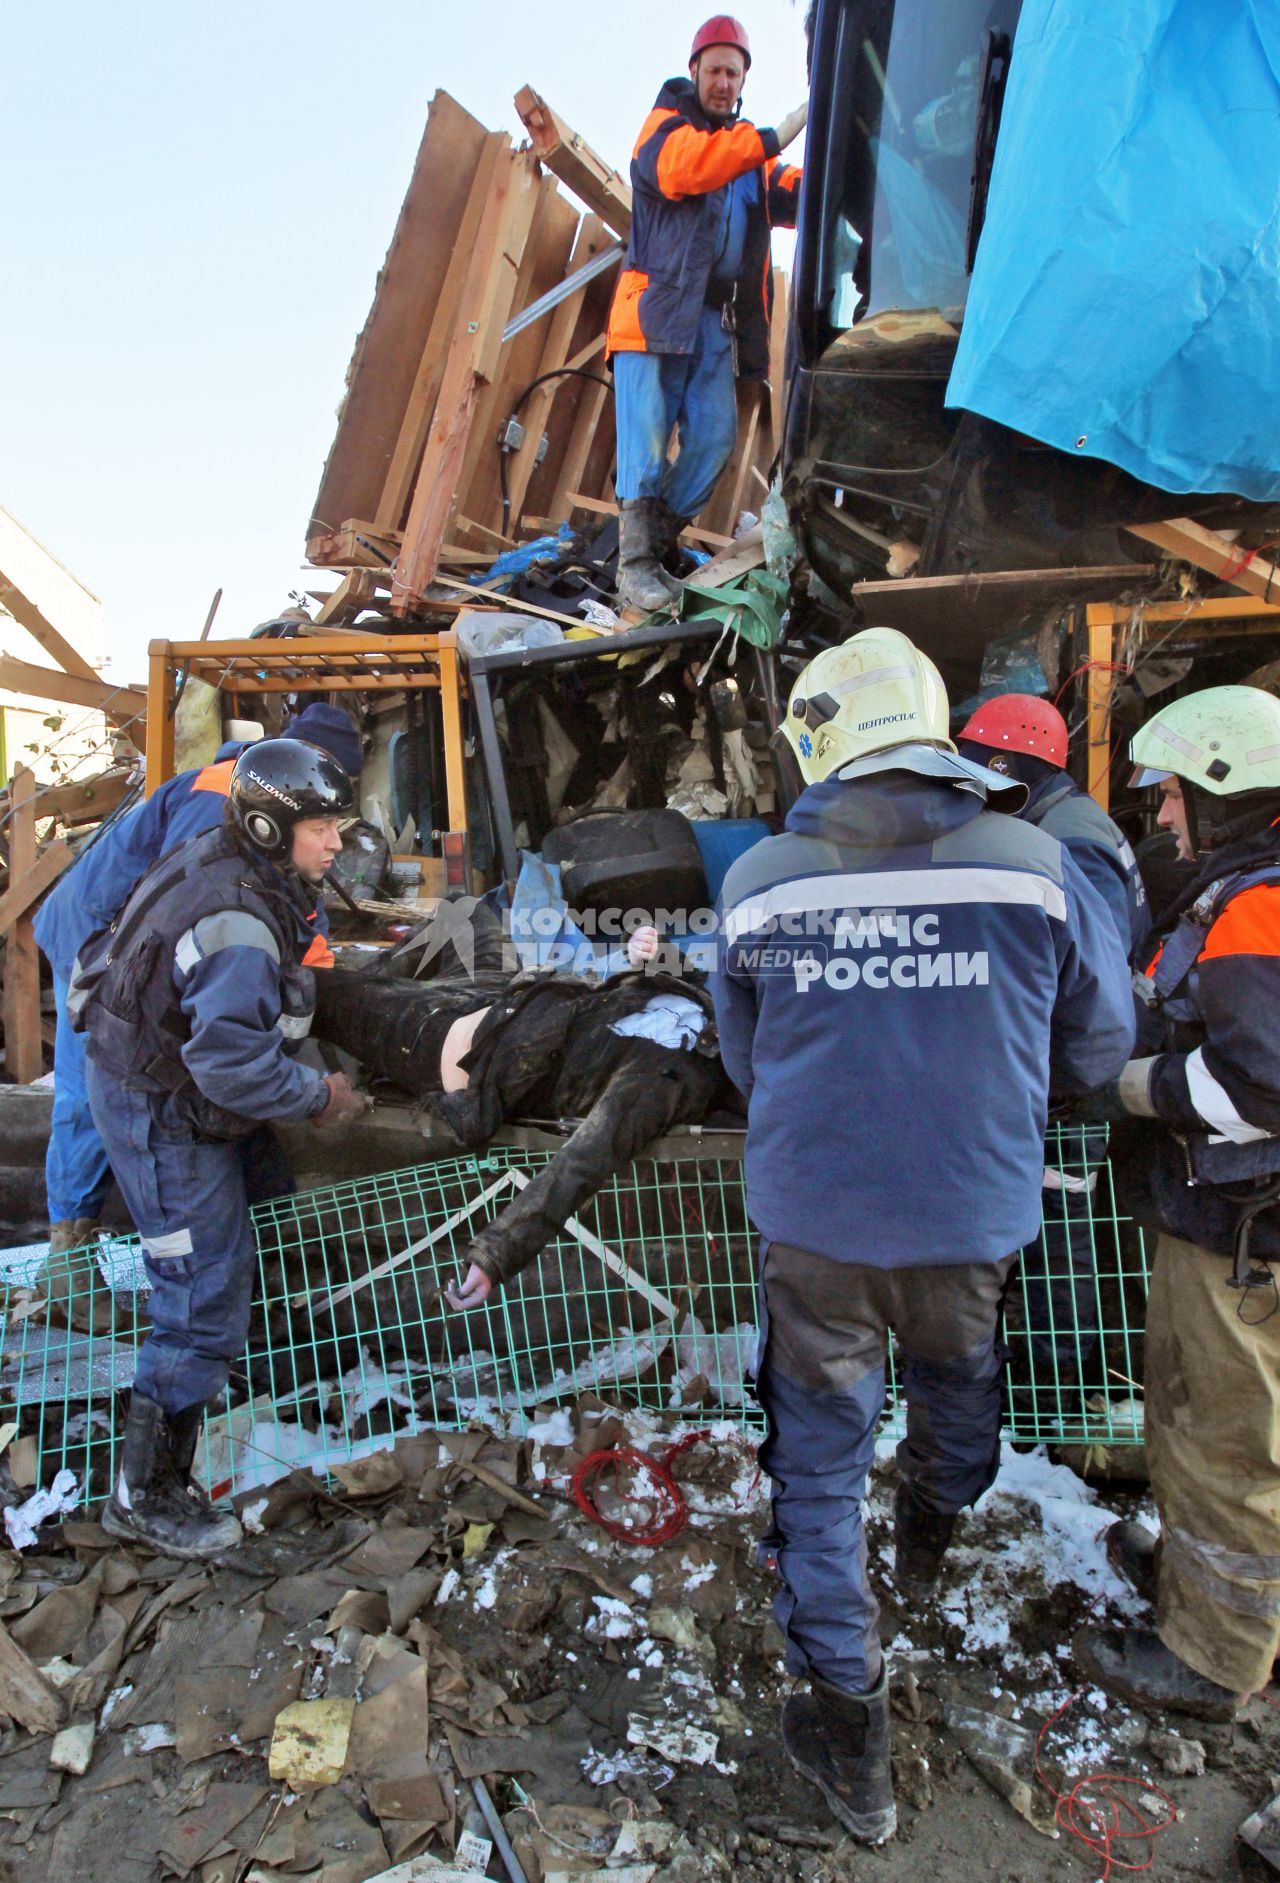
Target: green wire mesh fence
648,1296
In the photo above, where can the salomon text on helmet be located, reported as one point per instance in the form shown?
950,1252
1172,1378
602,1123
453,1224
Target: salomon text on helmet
279,782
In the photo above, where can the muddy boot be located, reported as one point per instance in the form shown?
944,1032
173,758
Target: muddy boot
155,1502
666,544
920,1541
641,583
840,1742
1134,1554
1137,1667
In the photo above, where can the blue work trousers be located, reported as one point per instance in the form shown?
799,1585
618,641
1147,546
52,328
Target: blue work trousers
825,1327
658,393
190,1203
1060,1269
77,1171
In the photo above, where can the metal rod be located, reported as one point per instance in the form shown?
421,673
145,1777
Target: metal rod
561,292
511,1862
491,752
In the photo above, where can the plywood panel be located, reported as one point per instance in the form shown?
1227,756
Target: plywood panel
388,352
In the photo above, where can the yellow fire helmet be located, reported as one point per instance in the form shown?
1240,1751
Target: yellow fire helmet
1224,739
874,691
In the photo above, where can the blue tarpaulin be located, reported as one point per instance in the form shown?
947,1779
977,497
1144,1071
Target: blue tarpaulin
1125,301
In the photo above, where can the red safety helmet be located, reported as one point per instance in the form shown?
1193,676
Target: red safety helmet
1019,722
722,30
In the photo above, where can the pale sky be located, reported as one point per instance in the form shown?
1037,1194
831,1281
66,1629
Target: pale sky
198,202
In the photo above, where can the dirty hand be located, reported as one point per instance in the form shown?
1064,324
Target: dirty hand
642,945
474,1292
792,125
343,1102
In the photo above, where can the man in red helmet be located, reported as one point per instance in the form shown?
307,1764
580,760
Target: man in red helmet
1027,739
692,307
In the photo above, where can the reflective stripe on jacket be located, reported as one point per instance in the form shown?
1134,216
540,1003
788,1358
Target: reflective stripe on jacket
1100,847
901,979
680,168
198,989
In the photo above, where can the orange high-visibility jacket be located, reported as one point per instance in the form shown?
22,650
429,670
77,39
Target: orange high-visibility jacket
680,167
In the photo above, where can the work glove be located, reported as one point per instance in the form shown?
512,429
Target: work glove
1129,1096
792,125
343,1102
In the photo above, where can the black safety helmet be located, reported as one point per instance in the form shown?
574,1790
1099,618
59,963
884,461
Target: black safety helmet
279,782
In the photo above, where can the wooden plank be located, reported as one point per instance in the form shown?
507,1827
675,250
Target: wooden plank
1207,550
592,238
1101,689
600,506
735,560
23,1052
574,461
953,617
543,260
28,616
28,883
25,1694
120,703
160,715
725,505
575,163
451,716
388,351
777,359
585,356
511,601
398,490
86,799
354,592
472,361
357,545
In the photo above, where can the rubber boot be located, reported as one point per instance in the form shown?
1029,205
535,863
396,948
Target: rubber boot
640,580
1137,1667
155,1502
666,544
920,1541
839,1741
1134,1554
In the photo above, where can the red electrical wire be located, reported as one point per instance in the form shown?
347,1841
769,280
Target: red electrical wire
1088,666
667,1511
1095,1808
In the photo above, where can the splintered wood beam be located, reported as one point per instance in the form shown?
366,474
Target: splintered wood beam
472,361
416,423
28,616
1207,550
27,885
124,706
23,1053
578,167
356,545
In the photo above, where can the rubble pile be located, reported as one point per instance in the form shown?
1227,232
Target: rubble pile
443,1617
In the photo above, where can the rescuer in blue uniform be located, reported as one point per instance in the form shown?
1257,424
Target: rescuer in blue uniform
1026,738
903,979
195,1001
95,888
